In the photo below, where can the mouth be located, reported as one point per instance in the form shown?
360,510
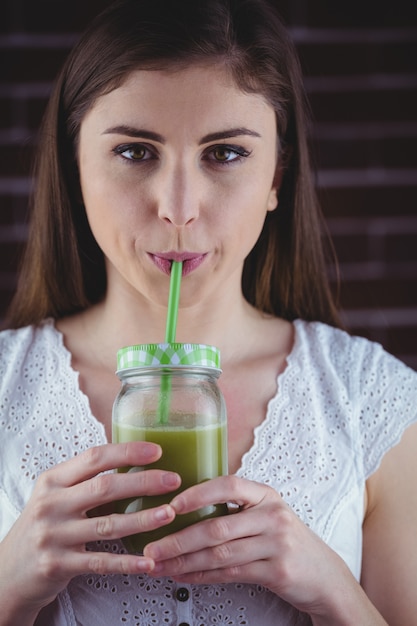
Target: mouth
190,261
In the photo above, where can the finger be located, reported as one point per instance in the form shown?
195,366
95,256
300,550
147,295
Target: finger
88,562
250,573
231,554
101,459
114,526
240,492
213,532
106,488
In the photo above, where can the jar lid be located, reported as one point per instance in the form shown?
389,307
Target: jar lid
177,354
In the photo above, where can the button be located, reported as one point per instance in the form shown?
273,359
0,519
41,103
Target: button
182,595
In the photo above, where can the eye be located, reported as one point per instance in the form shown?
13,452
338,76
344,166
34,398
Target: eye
226,154
134,152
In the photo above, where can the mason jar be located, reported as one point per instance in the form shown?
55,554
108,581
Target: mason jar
170,396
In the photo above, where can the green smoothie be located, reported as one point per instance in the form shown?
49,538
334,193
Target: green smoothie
197,454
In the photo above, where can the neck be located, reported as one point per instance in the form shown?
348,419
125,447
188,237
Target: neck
225,322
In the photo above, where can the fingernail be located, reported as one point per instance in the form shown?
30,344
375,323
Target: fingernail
144,564
149,449
170,479
163,513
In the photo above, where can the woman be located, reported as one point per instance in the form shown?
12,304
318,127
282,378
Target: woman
176,131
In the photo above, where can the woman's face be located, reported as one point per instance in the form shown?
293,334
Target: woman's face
178,165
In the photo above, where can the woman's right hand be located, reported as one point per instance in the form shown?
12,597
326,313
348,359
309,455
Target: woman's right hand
46,547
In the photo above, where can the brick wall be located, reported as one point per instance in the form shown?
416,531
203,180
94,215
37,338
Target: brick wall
360,63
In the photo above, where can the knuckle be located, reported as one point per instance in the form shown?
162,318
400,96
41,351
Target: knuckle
101,486
284,572
236,489
179,564
92,456
219,529
45,481
96,564
176,548
282,518
39,512
122,566
104,526
235,484
41,538
142,521
232,573
101,564
221,554
200,577
50,568
143,479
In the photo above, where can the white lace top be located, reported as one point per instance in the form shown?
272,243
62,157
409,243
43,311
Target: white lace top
341,403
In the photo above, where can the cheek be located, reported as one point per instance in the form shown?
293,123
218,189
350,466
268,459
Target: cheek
102,210
106,201
96,186
253,214
101,227
247,228
256,200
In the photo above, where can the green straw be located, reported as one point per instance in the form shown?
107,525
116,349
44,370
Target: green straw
170,333
173,301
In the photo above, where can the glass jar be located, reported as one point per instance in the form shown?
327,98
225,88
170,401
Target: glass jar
170,396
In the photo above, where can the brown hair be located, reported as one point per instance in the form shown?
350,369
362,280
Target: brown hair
63,268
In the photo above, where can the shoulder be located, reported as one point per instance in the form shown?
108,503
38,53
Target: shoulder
17,338
24,354
364,367
357,357
25,350
376,391
321,338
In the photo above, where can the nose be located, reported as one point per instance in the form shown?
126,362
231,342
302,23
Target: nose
179,196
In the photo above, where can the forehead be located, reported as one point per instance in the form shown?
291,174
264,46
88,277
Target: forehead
190,94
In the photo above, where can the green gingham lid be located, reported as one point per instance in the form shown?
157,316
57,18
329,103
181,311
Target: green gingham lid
177,354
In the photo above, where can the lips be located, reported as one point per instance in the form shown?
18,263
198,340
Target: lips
190,261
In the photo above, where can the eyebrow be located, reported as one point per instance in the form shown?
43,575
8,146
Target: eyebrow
130,131
141,133
227,134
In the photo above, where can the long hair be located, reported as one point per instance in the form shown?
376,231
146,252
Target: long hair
63,269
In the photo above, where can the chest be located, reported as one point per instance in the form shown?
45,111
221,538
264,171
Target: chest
247,385
101,392
247,400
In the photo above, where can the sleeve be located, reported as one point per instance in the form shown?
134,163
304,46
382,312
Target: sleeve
387,402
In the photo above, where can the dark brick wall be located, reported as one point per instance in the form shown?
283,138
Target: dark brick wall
360,64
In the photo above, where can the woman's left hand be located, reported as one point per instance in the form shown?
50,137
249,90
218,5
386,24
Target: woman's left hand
264,543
